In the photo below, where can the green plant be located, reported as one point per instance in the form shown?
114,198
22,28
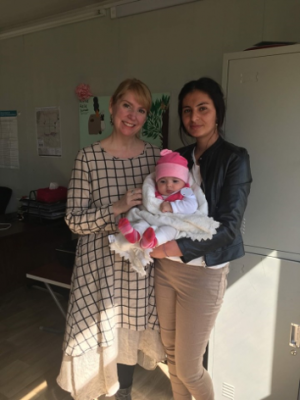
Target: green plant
153,127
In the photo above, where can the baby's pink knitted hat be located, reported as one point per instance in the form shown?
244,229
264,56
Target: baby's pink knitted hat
172,164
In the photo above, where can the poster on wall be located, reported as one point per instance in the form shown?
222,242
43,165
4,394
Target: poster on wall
94,120
9,146
48,131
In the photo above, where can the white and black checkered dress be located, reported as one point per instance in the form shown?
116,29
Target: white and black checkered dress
105,293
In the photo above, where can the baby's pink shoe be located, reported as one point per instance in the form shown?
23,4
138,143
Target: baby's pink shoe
149,239
128,231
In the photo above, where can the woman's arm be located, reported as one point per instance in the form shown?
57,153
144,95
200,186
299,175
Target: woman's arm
169,249
229,212
84,220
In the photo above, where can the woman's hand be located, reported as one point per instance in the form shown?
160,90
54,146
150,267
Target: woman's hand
169,249
130,199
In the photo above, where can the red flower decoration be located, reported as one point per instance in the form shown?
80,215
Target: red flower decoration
83,92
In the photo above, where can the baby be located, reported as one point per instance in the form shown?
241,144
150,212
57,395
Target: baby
174,206
172,187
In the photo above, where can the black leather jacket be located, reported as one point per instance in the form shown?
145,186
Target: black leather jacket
226,180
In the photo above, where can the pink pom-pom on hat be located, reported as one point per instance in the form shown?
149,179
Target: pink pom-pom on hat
172,164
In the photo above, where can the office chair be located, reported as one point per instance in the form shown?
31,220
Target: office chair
5,195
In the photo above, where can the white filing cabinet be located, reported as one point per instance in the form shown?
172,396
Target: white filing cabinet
250,357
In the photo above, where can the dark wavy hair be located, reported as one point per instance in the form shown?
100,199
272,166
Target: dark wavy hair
213,90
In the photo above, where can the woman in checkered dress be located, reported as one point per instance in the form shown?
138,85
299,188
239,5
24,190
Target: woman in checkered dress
112,321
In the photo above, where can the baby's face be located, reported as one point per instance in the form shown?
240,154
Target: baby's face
169,185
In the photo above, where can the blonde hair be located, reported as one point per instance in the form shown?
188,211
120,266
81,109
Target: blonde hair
140,90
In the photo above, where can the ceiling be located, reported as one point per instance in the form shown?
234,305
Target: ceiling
16,13
19,17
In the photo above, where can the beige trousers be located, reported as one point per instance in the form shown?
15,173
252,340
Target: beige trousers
188,300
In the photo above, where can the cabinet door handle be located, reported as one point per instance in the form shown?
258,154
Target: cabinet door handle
295,335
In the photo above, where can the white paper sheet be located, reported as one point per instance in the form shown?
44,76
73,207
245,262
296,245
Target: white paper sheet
9,146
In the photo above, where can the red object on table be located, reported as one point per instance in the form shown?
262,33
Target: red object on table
47,195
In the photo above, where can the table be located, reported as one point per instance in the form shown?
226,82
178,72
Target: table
54,274
27,246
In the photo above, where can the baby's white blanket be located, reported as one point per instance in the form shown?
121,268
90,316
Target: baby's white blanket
197,226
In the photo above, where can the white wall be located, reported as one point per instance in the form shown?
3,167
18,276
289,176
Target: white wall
164,48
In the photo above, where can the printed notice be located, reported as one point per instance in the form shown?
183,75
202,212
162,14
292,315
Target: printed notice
9,147
48,131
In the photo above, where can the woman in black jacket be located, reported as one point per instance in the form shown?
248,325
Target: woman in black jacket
189,294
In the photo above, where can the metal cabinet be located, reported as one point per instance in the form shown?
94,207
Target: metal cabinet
254,353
